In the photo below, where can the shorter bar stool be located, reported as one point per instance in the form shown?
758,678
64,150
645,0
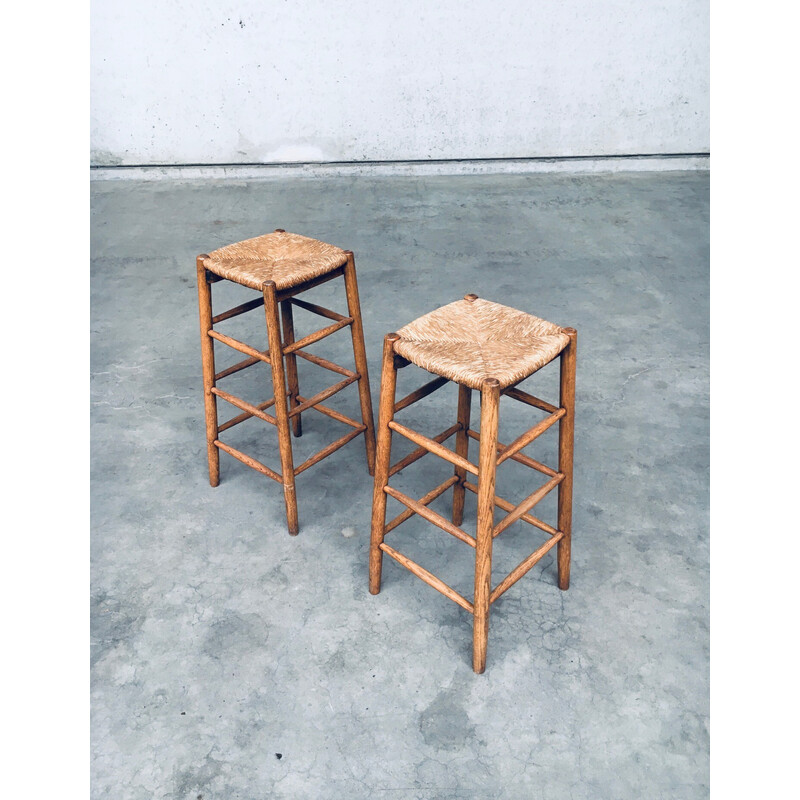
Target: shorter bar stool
280,266
490,348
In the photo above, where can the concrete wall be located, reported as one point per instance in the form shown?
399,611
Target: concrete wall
203,82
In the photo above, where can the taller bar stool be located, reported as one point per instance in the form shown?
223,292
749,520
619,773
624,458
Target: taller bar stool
280,266
490,348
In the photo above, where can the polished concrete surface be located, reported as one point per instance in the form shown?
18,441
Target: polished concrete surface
230,660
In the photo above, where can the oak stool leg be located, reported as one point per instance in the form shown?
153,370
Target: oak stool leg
382,458
566,443
360,356
487,467
209,371
287,318
462,449
281,405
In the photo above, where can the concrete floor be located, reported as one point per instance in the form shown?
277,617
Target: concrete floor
232,661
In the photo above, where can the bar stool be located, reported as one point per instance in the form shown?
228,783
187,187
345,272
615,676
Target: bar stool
280,266
490,348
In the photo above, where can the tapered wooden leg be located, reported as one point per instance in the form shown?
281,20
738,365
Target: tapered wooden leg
360,355
462,448
207,349
382,458
281,405
291,364
487,466
566,443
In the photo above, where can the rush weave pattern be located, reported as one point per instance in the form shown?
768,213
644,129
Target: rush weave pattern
472,340
288,259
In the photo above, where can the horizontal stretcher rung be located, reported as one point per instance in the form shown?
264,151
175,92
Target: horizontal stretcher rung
431,516
507,506
415,455
527,504
434,447
317,335
323,362
331,448
315,309
520,457
423,501
524,397
240,346
526,438
329,412
250,462
428,577
242,309
246,415
323,395
240,365
253,411
423,391
524,566
286,294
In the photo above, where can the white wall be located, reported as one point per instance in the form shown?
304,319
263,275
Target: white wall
203,82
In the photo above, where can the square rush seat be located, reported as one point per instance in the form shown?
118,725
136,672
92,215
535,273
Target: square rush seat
279,266
488,347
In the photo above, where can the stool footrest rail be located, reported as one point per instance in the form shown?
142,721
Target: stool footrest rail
317,335
320,310
323,362
423,501
287,294
253,411
320,396
519,457
242,309
329,412
526,505
533,433
431,516
434,447
240,346
530,400
331,448
247,415
506,506
415,455
240,365
524,566
423,391
428,577
250,462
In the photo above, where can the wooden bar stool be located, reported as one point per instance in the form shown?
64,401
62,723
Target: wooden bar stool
488,347
280,266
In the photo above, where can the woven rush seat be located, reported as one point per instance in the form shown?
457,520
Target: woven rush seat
285,258
487,347
472,340
280,266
